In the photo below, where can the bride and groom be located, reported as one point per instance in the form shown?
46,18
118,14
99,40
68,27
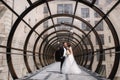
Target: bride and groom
68,63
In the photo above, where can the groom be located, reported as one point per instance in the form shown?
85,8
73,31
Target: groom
62,52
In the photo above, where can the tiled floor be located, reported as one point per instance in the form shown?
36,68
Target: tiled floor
51,72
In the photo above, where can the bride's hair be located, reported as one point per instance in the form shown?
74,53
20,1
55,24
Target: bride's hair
69,45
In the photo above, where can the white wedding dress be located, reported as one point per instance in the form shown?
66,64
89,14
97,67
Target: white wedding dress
70,66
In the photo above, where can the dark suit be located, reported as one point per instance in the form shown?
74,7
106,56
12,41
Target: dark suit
59,56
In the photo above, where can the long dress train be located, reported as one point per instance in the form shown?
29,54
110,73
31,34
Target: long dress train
70,66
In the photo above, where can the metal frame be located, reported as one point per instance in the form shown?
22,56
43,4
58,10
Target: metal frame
74,27
47,50
56,43
50,35
37,3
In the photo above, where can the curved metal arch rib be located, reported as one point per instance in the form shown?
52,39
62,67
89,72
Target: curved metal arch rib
56,39
115,37
48,48
66,25
48,36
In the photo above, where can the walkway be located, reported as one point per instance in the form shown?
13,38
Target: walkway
51,72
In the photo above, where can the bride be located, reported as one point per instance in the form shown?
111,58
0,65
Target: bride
70,66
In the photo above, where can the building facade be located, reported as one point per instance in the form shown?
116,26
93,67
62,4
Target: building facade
7,18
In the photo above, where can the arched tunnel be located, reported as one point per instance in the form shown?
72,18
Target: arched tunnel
45,42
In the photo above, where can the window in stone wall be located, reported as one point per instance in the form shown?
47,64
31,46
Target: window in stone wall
45,9
64,20
25,29
109,1
89,54
85,27
29,21
110,51
99,26
98,55
45,24
86,41
103,70
85,12
109,37
64,8
97,2
96,15
101,36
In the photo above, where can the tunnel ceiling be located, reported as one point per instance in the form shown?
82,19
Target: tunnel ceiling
51,41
